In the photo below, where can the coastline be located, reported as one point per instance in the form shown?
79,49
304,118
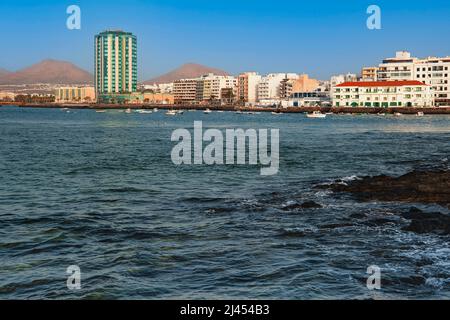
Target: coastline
345,110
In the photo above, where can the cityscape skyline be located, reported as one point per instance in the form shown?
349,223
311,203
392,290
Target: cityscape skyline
163,47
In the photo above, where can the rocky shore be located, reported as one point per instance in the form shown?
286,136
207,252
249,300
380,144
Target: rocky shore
426,187
414,187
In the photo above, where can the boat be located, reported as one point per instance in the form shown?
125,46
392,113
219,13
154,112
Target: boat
329,113
144,111
420,114
382,114
171,113
100,111
276,113
398,114
239,112
180,112
316,114
155,109
207,111
128,110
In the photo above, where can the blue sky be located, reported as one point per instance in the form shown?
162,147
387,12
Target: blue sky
316,37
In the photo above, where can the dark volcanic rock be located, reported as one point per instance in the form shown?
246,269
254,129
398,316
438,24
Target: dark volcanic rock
310,205
423,222
305,205
416,186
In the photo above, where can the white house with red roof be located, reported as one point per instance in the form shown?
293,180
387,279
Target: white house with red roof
383,94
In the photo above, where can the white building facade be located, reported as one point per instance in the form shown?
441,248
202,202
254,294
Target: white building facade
209,87
247,92
383,94
431,71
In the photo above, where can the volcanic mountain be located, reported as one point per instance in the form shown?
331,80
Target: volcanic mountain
186,71
3,72
48,71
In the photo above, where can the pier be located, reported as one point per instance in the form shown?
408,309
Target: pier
337,110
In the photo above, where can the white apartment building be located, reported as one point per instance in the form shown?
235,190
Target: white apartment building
269,87
209,87
383,94
431,71
159,87
349,77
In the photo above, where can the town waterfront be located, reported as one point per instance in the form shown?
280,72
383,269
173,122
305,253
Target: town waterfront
99,190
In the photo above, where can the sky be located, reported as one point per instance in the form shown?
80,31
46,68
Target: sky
320,38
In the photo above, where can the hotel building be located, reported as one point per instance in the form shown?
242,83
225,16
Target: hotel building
248,88
210,86
75,94
115,65
431,71
383,94
185,91
296,84
369,74
207,88
341,78
270,86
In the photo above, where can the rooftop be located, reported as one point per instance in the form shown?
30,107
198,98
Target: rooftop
382,84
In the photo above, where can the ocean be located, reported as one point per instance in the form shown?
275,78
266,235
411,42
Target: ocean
99,191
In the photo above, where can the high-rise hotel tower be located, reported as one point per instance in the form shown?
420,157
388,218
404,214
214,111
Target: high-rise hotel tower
115,64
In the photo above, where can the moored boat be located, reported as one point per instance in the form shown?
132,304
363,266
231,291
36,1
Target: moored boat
316,114
171,113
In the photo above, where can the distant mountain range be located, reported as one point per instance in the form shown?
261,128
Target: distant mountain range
63,72
47,71
3,72
186,71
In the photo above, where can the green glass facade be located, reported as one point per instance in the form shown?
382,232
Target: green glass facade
115,63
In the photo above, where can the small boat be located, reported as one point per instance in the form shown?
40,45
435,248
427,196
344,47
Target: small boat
239,112
316,114
276,113
155,110
128,110
207,111
329,113
171,113
144,111
64,109
382,114
100,111
220,111
398,114
180,112
420,114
